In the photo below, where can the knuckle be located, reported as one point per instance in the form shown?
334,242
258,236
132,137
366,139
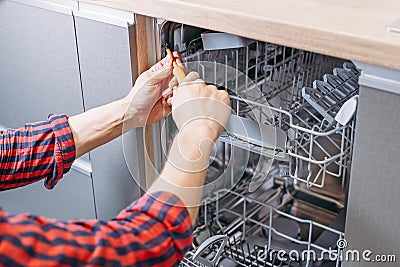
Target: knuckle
194,75
224,93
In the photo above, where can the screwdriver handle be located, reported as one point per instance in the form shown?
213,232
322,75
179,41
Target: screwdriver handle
178,72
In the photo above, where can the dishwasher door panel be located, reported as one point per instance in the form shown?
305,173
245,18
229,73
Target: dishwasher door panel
373,218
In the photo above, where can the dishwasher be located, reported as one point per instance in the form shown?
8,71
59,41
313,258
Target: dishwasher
277,185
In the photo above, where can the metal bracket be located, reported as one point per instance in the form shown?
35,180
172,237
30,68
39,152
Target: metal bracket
82,166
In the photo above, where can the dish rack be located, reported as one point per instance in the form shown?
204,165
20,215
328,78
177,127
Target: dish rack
303,95
292,90
248,232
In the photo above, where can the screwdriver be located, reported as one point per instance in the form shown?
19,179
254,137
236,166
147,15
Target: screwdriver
178,72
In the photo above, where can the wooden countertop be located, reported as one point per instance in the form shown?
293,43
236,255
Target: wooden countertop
354,30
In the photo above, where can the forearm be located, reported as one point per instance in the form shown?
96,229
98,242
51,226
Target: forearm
118,242
100,125
185,171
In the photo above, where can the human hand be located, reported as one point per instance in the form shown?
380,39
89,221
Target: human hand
199,109
200,112
146,104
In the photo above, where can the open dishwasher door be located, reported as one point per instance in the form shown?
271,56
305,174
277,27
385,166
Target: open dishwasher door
283,201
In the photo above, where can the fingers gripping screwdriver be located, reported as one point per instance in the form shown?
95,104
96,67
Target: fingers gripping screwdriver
178,71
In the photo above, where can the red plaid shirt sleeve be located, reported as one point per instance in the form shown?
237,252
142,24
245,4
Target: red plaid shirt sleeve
41,150
155,230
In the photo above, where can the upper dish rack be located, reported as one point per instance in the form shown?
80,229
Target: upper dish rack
291,90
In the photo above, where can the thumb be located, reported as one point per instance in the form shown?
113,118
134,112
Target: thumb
192,76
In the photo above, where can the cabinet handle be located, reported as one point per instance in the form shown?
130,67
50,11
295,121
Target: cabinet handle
60,6
104,14
82,166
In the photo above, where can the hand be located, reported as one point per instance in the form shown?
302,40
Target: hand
200,112
146,104
199,109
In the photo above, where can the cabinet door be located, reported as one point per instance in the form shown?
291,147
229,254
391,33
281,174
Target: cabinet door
105,60
39,74
72,198
39,71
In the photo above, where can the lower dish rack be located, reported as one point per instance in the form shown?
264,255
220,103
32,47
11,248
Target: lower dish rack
245,231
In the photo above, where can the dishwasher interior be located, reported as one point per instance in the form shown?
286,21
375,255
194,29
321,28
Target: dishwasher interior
275,196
